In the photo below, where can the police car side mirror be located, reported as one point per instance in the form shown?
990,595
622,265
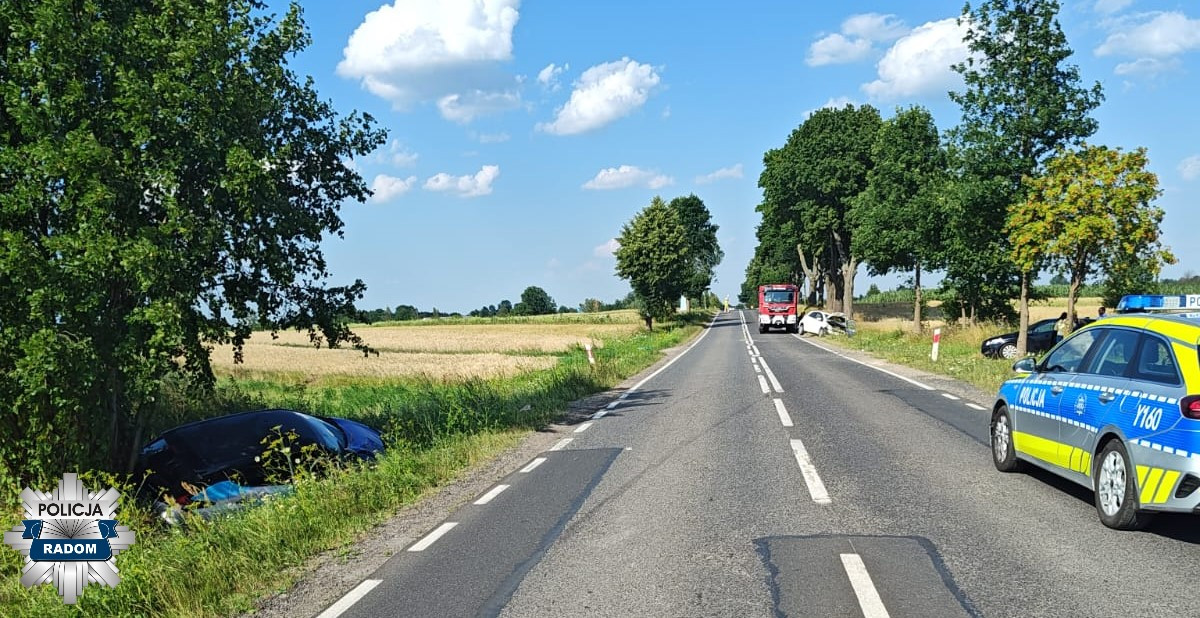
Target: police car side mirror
1025,365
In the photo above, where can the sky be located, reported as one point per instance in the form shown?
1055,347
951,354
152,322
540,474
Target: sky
523,135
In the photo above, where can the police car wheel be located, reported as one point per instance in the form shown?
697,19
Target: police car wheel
1116,489
1004,456
1009,351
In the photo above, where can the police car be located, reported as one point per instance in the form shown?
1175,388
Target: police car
1114,407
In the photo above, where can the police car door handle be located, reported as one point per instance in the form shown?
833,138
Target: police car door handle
1056,390
1106,397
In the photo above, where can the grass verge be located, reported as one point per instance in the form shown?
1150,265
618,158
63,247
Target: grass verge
958,352
436,429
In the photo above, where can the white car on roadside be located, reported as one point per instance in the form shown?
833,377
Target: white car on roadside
821,323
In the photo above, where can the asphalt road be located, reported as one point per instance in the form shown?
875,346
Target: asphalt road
771,475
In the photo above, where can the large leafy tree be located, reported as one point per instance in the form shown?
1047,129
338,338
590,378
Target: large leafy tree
534,301
654,257
165,182
1022,101
816,175
1091,212
701,235
899,219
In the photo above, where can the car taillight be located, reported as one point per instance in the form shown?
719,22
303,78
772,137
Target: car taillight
1190,406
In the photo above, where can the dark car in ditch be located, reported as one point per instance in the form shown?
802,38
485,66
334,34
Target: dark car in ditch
184,460
1042,337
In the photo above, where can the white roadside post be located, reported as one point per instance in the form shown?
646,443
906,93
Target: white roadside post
937,338
591,357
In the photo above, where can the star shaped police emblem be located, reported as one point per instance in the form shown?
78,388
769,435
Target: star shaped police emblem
70,538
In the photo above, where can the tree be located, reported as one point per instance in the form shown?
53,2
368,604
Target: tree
165,183
701,236
654,258
1092,212
505,308
534,301
899,218
1022,102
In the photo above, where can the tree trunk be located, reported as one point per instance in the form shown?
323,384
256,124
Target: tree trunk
1078,274
1023,324
833,301
917,300
810,274
849,270
649,323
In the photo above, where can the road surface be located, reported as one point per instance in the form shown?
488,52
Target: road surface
773,475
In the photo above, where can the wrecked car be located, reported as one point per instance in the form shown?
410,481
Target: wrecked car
183,461
821,323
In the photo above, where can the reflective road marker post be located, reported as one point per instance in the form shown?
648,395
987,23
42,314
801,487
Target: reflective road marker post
937,338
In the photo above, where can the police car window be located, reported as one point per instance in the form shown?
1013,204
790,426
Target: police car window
1116,352
1155,362
1068,356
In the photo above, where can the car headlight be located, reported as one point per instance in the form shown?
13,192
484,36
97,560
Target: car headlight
996,341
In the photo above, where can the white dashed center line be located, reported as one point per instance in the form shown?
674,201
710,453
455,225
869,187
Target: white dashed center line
864,588
815,487
430,538
762,383
352,597
533,464
486,498
784,417
771,375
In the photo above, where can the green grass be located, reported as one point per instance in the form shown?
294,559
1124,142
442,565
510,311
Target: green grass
958,352
435,430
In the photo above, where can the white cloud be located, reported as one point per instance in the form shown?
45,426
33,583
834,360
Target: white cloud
725,172
832,103
414,51
465,186
607,249
603,94
1189,168
397,154
462,108
1111,6
1162,35
856,40
627,176
874,27
386,188
548,76
920,61
837,49
1147,66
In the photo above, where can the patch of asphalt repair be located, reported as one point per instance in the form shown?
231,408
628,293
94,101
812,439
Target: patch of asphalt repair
330,574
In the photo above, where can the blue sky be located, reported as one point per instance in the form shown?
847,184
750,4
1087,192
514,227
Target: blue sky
524,134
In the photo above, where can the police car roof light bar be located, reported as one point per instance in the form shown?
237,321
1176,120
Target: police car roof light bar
1135,303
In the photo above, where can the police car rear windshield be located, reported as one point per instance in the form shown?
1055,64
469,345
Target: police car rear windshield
777,296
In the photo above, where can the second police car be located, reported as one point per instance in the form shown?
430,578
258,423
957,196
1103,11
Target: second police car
1114,407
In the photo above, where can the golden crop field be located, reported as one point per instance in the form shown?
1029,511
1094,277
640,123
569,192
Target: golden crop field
437,351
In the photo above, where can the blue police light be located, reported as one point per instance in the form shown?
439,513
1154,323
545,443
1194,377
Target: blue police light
1133,303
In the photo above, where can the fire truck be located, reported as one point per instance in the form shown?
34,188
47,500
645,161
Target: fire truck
778,307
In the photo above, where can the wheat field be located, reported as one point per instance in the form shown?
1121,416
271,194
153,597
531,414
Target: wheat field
544,338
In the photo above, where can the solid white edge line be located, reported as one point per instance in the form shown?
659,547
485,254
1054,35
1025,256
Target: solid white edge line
855,360
864,588
582,428
533,464
430,538
762,383
756,352
486,498
784,417
816,488
561,444
672,361
599,415
950,397
975,406
770,375
350,598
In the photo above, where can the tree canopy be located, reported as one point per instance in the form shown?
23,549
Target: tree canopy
654,257
700,234
534,301
165,182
